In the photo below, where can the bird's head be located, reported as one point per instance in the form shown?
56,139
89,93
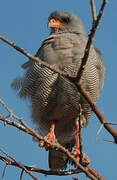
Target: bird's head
60,21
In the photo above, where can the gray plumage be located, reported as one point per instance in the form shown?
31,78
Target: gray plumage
53,97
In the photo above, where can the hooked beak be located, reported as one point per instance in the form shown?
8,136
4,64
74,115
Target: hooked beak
53,23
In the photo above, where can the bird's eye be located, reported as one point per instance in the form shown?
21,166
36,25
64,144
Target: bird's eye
66,20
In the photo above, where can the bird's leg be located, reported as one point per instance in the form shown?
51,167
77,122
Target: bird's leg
79,155
50,137
76,152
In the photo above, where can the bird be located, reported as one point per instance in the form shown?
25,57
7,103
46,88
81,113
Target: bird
55,100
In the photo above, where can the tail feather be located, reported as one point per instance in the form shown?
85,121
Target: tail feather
58,159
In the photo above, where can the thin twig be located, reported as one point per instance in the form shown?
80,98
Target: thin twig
108,141
37,135
99,130
115,124
15,124
98,113
89,42
9,110
42,171
92,2
19,164
4,170
95,173
23,51
73,79
57,145
39,170
24,127
21,175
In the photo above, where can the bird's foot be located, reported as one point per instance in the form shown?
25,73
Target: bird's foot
77,153
82,158
49,137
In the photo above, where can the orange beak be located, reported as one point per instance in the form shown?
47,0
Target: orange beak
53,23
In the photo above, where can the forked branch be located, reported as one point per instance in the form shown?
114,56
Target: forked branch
24,127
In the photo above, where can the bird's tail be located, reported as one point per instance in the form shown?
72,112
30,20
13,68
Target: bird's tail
58,159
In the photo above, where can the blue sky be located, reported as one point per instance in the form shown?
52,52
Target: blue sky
25,23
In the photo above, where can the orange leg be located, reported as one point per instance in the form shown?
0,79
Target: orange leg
77,152
50,137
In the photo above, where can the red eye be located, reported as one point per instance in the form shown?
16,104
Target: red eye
66,20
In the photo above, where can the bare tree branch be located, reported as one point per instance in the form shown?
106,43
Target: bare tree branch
90,172
11,114
98,113
23,51
92,2
24,127
39,170
19,164
89,42
4,168
21,174
109,128
60,173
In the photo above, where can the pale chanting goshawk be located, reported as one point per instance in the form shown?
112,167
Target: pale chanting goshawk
53,97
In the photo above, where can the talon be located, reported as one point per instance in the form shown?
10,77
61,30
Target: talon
86,160
77,154
47,147
50,137
41,143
